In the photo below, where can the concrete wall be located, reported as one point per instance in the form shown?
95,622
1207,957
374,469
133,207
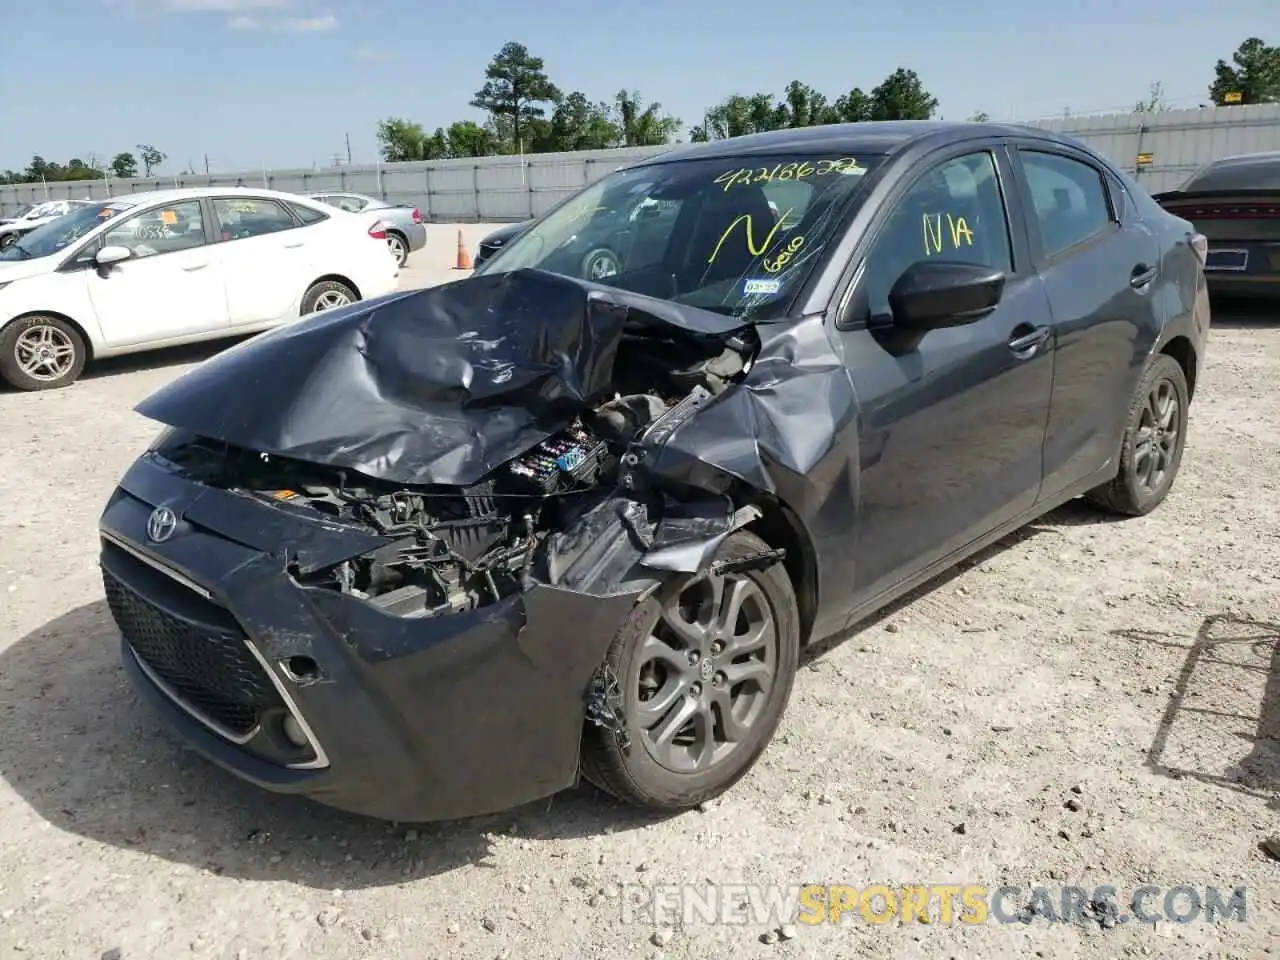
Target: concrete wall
504,188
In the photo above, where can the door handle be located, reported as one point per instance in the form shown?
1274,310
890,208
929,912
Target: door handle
1141,276
192,268
293,246
1024,344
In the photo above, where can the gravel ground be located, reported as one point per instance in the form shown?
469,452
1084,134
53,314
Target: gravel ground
1085,703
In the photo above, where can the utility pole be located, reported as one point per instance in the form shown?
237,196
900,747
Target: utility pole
206,165
348,149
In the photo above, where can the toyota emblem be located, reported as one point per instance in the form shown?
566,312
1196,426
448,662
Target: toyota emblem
161,524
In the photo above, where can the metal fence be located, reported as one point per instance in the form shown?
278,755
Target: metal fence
1160,149
1163,149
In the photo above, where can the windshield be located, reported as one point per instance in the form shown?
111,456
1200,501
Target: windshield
56,235
714,234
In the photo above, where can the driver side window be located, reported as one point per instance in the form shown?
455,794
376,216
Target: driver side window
179,226
953,212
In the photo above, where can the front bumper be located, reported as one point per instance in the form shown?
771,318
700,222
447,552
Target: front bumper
403,719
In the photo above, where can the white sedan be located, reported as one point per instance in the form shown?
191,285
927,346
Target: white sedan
151,270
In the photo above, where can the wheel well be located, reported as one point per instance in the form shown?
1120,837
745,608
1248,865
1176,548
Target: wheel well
1180,349
399,233
338,278
84,337
779,527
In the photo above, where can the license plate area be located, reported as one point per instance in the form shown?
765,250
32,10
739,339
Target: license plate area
1232,261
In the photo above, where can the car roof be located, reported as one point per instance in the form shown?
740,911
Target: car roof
196,193
1244,171
868,138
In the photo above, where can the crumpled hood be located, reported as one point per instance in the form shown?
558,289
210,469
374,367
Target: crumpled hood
435,386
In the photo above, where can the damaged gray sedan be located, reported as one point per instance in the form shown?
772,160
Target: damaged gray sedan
441,553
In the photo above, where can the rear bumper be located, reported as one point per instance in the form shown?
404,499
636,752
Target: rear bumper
1226,284
404,719
416,234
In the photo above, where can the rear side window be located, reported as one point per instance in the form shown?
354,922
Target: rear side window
1069,199
243,218
308,215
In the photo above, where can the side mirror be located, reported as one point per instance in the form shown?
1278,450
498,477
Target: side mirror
108,256
931,295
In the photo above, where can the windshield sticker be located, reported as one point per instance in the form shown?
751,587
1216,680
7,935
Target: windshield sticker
751,240
790,171
935,236
761,286
782,259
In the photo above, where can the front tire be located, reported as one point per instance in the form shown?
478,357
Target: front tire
1154,437
705,669
327,295
600,264
41,353
7,241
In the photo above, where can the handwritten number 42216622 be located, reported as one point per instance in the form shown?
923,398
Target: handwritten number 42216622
801,170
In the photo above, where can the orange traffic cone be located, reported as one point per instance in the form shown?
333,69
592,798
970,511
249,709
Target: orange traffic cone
464,258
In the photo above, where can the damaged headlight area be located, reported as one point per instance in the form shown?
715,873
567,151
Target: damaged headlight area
452,549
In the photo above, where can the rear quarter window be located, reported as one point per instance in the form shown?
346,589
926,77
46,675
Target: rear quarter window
308,215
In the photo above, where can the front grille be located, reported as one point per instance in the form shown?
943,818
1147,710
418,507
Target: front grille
207,668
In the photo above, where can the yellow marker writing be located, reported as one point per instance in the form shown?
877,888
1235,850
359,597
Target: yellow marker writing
751,244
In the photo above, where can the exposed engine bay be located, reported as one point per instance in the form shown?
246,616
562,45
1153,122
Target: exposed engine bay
458,548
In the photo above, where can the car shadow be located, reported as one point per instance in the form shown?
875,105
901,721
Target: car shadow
1073,513
1237,313
1209,730
92,759
161,358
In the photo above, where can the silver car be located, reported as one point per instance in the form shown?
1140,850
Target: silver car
405,229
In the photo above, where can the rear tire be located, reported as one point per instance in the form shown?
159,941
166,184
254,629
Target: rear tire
1154,437
689,695
327,295
41,353
399,246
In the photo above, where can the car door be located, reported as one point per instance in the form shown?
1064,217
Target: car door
1100,267
172,284
266,257
952,426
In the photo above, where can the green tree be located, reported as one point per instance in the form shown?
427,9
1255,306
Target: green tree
40,169
738,115
466,138
853,107
1255,76
517,87
1154,102
803,106
575,124
901,96
124,166
649,127
150,157
401,140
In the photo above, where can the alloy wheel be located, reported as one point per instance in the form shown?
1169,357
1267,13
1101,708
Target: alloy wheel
706,670
330,299
1156,441
44,353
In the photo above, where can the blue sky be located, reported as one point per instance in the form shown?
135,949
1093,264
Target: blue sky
282,82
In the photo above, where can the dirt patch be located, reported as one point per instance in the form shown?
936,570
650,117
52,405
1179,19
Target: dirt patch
1086,703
